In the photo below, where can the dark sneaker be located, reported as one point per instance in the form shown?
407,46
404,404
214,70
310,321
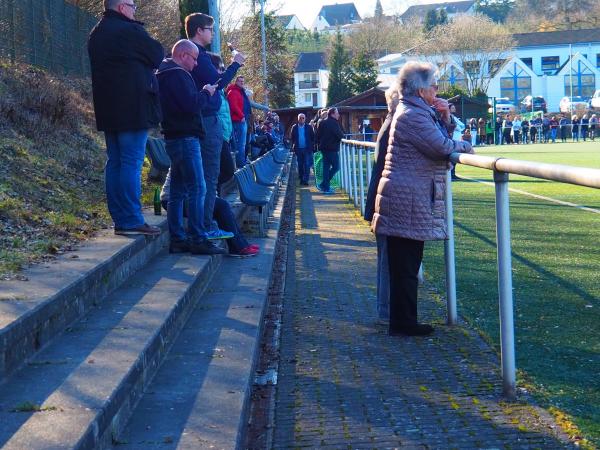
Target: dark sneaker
415,330
206,248
146,229
179,247
245,252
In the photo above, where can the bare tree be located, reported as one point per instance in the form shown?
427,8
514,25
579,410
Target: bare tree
475,43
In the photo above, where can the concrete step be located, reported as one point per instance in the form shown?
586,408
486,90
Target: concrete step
55,294
79,390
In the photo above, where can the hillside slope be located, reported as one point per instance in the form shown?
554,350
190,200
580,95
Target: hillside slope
51,166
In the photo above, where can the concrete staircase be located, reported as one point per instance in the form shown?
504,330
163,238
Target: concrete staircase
82,339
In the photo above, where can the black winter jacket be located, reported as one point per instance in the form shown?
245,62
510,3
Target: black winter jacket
329,135
380,151
181,102
123,58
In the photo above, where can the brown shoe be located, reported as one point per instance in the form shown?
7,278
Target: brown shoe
142,229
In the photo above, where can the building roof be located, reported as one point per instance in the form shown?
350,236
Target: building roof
557,37
374,97
310,62
340,14
450,7
285,20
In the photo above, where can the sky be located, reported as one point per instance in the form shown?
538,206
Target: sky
307,10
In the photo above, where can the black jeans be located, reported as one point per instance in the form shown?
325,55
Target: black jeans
404,259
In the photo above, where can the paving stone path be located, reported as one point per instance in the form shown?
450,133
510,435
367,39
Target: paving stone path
344,383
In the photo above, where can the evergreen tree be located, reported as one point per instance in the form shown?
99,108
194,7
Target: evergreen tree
363,74
497,10
442,18
431,21
378,10
339,88
187,7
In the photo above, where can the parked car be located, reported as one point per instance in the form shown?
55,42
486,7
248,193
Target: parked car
503,106
533,103
594,103
572,104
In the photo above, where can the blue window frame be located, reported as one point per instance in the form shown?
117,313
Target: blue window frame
550,63
584,81
516,85
453,77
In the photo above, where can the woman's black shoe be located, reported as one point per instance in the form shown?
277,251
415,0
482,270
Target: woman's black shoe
415,330
179,247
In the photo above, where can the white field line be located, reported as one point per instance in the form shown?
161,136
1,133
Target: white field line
540,197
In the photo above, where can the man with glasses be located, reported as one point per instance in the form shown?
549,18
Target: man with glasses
182,126
123,58
199,29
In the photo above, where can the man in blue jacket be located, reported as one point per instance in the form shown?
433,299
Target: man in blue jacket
199,29
182,126
123,58
303,144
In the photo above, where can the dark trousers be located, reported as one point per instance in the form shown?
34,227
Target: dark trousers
331,164
404,259
304,157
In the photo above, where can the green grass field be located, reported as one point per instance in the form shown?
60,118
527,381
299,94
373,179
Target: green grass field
556,276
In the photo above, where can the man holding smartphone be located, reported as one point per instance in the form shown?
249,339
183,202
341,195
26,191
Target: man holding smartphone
199,28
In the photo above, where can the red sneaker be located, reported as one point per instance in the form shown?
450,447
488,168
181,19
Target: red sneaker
245,252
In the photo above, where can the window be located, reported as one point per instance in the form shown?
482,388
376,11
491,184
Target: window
516,85
550,63
315,99
307,98
583,84
452,77
472,67
394,70
494,65
528,62
597,59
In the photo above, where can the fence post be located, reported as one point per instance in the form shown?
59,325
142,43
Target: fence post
507,330
449,255
341,174
354,178
368,167
361,175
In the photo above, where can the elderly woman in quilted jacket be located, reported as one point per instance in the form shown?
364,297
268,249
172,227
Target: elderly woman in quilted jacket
410,202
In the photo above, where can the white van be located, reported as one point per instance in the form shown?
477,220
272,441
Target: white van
595,101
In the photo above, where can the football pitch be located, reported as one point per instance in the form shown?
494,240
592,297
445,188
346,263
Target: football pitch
555,233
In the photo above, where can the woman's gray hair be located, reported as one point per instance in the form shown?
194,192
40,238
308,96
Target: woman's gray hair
416,75
392,97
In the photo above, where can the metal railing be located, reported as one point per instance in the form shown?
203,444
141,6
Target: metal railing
308,84
355,181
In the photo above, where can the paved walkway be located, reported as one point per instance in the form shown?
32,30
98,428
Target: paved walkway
344,383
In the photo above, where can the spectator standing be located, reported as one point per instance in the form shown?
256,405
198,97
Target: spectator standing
498,130
303,145
329,136
410,206
123,58
553,128
525,131
564,128
473,128
489,132
199,29
383,275
507,130
534,131
593,126
585,123
546,129
481,134
575,127
182,126
239,105
516,128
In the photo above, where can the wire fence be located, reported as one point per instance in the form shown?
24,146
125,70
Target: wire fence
46,33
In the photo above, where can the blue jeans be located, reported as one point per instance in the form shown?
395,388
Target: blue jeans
226,221
553,134
211,145
331,164
123,176
239,133
304,157
187,183
383,278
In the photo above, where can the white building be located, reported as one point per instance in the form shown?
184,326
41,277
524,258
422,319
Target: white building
544,64
418,12
291,22
311,79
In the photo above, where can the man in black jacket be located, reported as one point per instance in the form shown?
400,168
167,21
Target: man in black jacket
123,57
303,144
182,126
329,136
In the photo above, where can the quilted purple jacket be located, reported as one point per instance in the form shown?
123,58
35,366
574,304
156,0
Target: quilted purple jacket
410,199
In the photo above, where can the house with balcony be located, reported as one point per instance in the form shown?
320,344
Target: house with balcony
550,64
332,17
311,79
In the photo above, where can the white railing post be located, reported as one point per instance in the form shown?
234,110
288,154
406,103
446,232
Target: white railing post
449,255
349,166
505,294
361,175
342,167
354,178
369,168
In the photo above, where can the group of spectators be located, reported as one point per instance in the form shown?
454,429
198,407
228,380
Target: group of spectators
203,110
544,129
322,134
514,129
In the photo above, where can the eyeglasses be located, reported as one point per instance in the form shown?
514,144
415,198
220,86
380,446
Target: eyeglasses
435,86
131,5
212,30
